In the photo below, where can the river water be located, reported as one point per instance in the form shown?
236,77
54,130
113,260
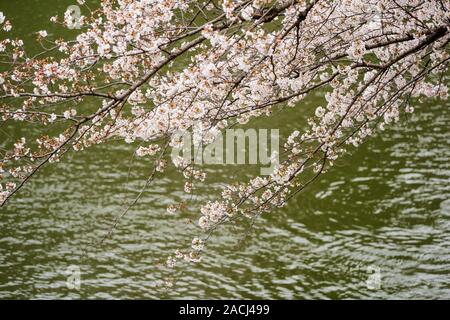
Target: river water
376,226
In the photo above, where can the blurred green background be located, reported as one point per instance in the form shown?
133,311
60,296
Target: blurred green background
385,207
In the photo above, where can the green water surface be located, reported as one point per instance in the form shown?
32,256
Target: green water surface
385,207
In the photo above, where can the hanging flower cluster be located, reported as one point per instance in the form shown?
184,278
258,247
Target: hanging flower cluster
154,67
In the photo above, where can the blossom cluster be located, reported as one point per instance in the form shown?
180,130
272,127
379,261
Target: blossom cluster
152,68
